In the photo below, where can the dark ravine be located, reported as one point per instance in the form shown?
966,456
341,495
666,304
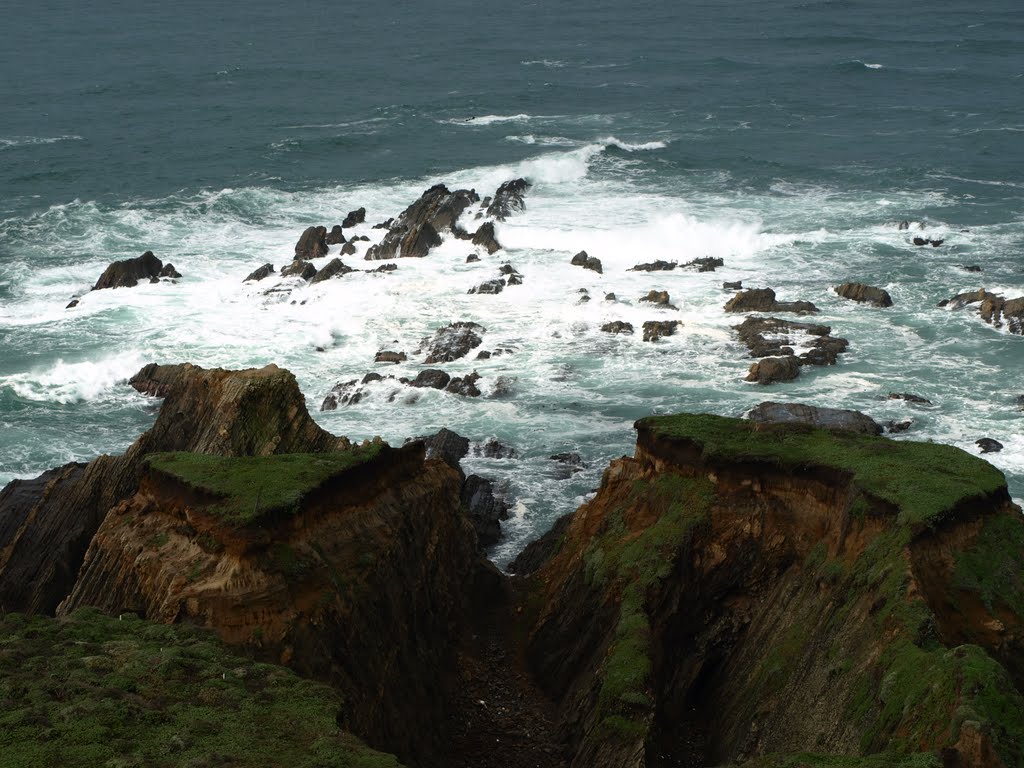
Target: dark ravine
735,593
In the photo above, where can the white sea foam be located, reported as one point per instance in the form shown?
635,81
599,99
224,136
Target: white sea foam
550,63
13,142
75,382
489,119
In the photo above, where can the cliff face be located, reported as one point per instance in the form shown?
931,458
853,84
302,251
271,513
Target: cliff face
738,590
46,523
363,583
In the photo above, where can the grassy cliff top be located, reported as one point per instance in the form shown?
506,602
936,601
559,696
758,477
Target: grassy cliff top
91,690
250,488
922,479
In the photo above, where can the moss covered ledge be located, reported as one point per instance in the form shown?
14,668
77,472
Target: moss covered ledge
247,490
924,481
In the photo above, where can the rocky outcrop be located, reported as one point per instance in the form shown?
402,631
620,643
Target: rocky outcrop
490,286
865,294
994,310
773,340
656,329
417,229
655,266
704,264
335,236
337,583
508,199
47,523
312,243
333,268
763,300
581,259
388,356
358,216
128,272
485,238
452,342
299,268
813,416
431,378
618,326
658,299
260,273
737,591
484,509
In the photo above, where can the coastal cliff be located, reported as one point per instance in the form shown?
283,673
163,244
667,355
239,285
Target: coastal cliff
738,590
736,593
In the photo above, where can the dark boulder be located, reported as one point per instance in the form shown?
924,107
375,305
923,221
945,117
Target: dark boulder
988,445
312,243
464,385
431,378
894,427
968,297
491,286
998,312
452,342
609,297
472,258
969,267
508,199
539,551
72,304
484,237
348,249
387,356
299,268
928,241
908,397
169,271
446,445
335,236
821,418
655,266
864,294
734,286
659,299
581,259
384,268
770,370
333,268
618,326
484,509
494,449
705,264
515,279
763,300
258,274
128,272
655,329
357,216
417,229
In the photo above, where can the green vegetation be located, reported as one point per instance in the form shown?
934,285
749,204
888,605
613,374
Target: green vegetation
806,760
633,562
252,488
90,690
923,480
993,566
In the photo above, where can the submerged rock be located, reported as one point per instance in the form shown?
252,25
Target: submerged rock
492,448
490,286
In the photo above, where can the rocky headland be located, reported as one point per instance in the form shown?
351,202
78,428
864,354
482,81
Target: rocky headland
737,592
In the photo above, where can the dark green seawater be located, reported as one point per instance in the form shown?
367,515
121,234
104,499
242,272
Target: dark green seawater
790,139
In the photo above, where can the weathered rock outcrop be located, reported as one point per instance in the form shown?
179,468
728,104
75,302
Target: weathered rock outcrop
353,218
994,310
508,199
814,416
299,268
485,238
312,243
739,590
656,329
352,568
763,300
333,268
417,229
128,272
864,294
260,273
452,342
773,340
582,259
46,523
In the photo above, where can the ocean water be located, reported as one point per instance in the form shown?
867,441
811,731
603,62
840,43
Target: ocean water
789,139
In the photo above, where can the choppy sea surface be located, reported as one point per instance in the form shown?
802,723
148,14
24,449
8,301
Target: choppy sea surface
788,139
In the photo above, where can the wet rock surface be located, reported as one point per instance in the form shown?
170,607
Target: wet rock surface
763,300
657,329
865,294
260,273
581,259
452,342
822,418
508,199
773,339
127,273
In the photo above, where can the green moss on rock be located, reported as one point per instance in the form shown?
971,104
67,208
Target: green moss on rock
923,480
90,690
250,488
